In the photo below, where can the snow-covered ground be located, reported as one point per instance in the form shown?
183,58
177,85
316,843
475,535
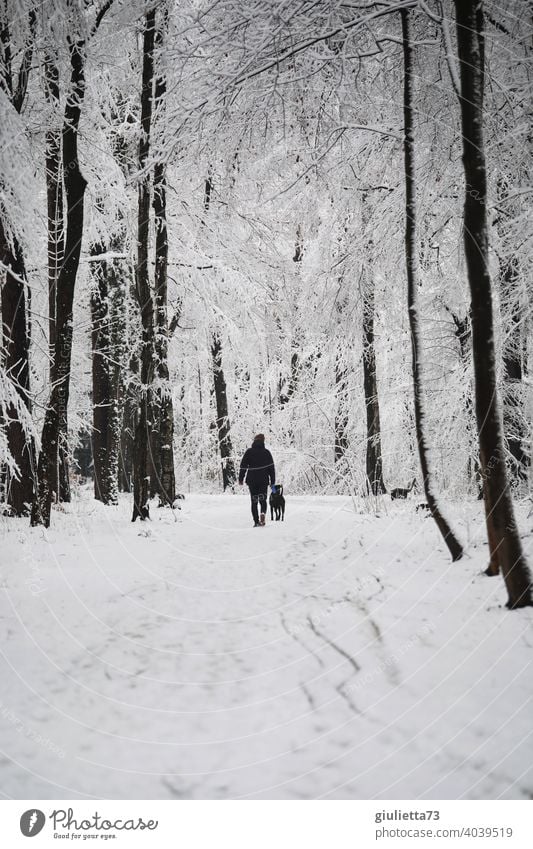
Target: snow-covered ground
336,656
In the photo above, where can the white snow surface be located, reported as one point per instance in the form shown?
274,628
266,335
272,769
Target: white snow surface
335,655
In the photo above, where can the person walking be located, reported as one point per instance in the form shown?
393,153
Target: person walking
257,466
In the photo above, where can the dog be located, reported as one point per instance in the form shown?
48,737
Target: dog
402,492
277,503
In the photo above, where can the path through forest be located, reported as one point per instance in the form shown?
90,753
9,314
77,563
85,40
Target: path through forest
336,655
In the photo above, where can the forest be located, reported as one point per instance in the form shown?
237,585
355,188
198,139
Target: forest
307,218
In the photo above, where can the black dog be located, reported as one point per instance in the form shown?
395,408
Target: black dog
402,492
277,503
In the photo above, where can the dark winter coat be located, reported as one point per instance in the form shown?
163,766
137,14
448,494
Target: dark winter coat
258,466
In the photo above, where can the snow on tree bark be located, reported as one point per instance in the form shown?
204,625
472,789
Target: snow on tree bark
223,428
100,375
142,447
129,393
163,406
16,344
75,185
411,255
514,421
223,423
14,309
504,540
107,317
374,462
341,405
56,251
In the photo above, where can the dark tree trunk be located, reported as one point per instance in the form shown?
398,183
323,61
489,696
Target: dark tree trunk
107,323
294,374
295,366
411,255
201,416
118,281
61,479
463,334
56,251
374,462
225,446
341,410
166,485
75,185
100,379
16,332
504,539
295,356
54,202
16,345
223,425
130,412
295,370
298,246
514,425
142,451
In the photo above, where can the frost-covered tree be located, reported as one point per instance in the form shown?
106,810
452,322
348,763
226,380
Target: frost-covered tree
19,472
504,540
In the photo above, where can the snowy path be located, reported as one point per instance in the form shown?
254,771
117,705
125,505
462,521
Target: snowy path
335,655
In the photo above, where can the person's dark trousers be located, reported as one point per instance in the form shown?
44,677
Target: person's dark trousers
258,498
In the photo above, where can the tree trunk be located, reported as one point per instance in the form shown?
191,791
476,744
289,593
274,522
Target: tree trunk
294,373
75,185
130,411
16,345
502,532
106,310
223,423
341,410
411,255
100,382
56,251
374,462
463,334
118,279
166,485
15,319
223,426
142,452
514,425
